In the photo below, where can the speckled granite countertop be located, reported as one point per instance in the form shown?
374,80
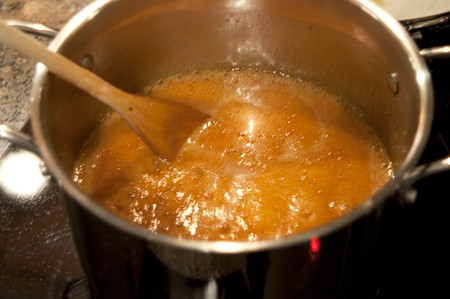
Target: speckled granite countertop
16,71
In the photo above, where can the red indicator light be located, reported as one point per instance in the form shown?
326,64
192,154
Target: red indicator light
314,245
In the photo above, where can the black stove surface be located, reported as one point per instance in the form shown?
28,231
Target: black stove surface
38,257
37,254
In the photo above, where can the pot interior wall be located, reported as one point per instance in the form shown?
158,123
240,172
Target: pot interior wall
340,48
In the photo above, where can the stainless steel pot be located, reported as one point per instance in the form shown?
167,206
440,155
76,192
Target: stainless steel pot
352,48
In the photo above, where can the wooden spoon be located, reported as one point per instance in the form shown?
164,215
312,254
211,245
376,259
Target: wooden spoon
163,125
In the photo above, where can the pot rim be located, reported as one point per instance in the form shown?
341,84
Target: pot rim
233,247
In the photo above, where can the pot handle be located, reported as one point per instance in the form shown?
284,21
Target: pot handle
33,28
19,139
436,52
7,133
408,193
421,171
406,190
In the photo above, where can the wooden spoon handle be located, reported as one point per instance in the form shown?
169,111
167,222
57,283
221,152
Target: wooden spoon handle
163,125
61,66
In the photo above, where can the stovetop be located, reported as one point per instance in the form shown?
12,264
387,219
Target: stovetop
37,254
38,257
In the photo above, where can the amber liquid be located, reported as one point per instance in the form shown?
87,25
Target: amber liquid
277,157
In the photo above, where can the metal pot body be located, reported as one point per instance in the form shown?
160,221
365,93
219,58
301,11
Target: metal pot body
343,264
351,48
